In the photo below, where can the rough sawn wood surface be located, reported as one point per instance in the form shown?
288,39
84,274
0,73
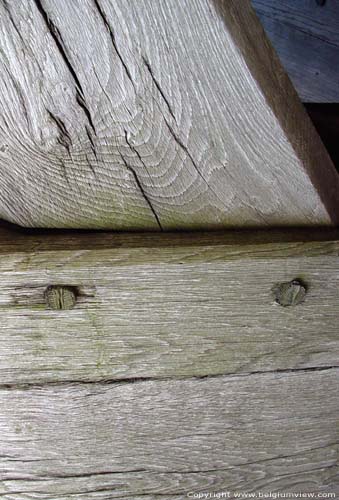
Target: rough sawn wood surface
163,439
152,115
174,372
165,305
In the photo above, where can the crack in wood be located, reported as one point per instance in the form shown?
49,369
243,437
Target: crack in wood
140,380
189,155
64,138
138,182
82,103
156,83
92,145
56,35
113,39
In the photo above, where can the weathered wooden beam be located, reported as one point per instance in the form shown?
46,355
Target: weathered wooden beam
306,38
165,305
272,432
153,115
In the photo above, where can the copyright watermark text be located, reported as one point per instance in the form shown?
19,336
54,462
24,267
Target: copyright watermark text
257,495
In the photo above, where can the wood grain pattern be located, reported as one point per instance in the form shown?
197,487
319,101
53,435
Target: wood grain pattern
154,115
306,38
165,305
266,432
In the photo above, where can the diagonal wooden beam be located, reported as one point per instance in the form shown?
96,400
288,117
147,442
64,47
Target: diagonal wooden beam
153,115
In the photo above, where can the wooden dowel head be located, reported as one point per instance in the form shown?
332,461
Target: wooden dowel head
60,297
290,293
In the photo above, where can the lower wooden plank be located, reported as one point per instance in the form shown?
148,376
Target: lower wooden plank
266,432
166,305
305,35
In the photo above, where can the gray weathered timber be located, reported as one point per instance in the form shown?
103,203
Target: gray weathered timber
153,114
306,37
163,305
260,432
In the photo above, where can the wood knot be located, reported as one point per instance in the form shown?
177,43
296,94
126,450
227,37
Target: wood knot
60,297
290,293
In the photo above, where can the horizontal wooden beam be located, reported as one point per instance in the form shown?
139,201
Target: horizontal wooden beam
260,433
165,305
